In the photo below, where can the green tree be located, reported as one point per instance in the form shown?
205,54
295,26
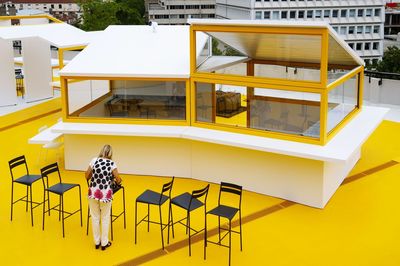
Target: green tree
98,14
215,49
229,51
130,12
390,61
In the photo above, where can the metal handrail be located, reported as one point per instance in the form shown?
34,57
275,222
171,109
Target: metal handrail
382,75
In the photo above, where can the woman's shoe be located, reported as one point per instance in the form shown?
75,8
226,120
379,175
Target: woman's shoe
97,246
106,246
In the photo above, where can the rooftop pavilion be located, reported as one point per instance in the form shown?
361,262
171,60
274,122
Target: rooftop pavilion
198,91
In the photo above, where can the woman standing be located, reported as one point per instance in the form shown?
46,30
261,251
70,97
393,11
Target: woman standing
101,172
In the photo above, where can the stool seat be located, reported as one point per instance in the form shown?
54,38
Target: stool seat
224,211
184,202
61,188
27,179
152,197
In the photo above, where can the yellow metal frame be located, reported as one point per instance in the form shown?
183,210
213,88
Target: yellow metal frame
32,17
322,87
242,130
64,80
61,53
322,32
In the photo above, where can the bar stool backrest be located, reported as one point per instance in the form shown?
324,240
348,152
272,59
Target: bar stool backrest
17,162
196,194
167,187
231,189
47,171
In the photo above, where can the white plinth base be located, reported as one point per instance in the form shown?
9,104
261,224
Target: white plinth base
304,173
306,181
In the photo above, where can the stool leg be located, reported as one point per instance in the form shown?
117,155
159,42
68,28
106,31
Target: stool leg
188,228
219,230
161,225
240,227
111,219
123,201
12,198
172,222
48,199
205,235
27,198
135,221
230,240
148,217
80,203
30,188
62,213
44,207
87,223
59,208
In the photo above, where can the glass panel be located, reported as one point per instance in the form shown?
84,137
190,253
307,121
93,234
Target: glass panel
341,101
271,53
204,102
128,98
285,111
258,108
289,73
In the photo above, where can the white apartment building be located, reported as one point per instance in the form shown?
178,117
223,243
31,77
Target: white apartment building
65,10
359,22
175,12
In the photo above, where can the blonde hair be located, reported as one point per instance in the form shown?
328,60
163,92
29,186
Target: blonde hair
106,152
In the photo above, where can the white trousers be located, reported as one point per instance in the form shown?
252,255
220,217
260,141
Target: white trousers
100,211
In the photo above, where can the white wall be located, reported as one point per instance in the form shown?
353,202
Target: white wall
387,93
37,69
261,172
7,76
8,93
84,92
34,21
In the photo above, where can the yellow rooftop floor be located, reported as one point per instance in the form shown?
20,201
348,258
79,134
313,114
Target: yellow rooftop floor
359,226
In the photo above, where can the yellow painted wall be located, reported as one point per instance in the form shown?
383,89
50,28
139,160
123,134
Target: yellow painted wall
26,114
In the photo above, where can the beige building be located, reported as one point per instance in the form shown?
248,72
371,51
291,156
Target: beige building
176,12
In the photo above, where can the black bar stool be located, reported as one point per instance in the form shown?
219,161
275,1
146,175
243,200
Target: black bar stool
151,197
190,202
113,217
59,189
227,212
26,180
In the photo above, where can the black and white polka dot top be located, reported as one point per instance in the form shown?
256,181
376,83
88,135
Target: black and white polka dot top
100,183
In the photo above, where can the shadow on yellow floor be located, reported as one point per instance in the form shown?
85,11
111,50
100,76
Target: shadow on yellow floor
359,226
